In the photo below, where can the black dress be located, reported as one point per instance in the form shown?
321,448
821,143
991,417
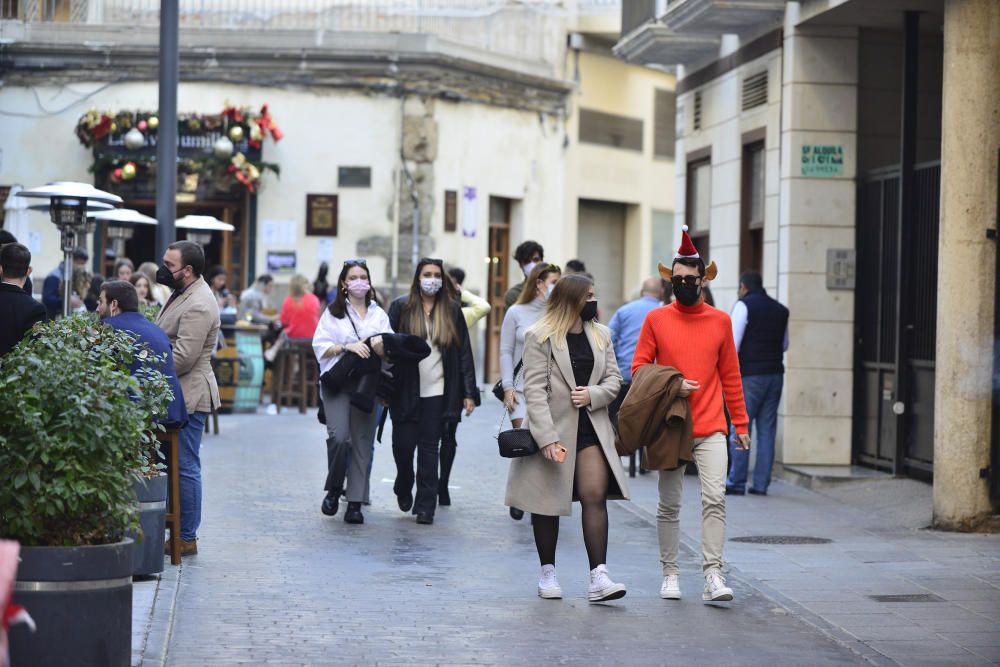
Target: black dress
581,355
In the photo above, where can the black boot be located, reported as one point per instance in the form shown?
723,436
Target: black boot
447,459
353,513
331,503
516,514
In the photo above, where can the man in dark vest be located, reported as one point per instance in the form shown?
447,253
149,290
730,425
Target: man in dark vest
760,330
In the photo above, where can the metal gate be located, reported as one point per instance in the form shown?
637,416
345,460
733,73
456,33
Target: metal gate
895,431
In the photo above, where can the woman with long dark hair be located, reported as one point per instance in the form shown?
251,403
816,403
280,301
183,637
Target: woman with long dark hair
570,378
350,325
430,393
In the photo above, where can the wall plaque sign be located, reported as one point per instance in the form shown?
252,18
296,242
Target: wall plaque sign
822,160
321,215
841,268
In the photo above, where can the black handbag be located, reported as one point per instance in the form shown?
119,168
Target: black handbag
517,442
498,387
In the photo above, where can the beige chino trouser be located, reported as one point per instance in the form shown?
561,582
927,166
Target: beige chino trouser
711,457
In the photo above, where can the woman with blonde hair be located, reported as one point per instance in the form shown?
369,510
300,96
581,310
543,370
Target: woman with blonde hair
571,376
528,309
301,310
159,293
143,289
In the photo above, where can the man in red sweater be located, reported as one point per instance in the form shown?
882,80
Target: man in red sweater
697,340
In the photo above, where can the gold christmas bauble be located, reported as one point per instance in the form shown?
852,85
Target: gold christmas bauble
153,122
236,133
128,171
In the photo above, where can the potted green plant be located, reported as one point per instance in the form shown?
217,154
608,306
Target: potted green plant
75,426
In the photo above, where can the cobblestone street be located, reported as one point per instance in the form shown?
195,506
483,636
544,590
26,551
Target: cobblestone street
277,582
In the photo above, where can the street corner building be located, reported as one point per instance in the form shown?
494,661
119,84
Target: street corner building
847,150
326,130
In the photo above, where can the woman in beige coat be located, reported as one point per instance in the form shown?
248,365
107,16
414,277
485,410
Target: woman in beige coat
571,376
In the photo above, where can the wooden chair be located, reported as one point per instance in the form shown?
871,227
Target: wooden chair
170,446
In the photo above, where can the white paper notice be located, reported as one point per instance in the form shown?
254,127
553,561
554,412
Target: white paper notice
324,251
278,233
468,211
35,243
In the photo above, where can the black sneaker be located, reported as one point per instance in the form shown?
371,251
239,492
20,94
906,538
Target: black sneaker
405,501
733,491
425,518
755,492
444,498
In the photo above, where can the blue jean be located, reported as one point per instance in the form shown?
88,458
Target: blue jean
189,458
761,393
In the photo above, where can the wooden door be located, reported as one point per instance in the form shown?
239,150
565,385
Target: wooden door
497,283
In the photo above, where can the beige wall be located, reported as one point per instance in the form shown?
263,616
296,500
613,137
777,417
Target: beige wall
640,180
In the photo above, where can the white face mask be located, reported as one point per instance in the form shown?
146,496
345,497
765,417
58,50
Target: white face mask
431,286
548,292
528,267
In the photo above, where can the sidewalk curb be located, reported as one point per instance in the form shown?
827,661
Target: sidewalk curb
161,621
835,634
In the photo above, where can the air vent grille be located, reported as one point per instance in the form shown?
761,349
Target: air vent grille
755,91
696,113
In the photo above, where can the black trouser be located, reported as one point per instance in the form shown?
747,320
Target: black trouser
449,446
423,436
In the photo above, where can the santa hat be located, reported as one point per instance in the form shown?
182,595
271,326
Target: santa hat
687,251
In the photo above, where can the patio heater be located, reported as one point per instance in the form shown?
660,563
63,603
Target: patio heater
68,205
121,225
200,227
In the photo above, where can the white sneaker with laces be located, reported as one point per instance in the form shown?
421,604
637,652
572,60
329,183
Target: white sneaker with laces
671,588
602,589
548,585
715,588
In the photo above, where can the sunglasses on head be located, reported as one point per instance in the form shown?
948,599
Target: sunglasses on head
690,281
359,261
429,260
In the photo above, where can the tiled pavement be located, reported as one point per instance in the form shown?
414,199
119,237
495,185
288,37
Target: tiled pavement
278,583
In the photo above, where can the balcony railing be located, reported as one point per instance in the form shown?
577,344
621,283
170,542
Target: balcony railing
528,29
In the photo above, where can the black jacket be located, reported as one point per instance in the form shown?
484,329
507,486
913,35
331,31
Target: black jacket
371,380
20,313
459,372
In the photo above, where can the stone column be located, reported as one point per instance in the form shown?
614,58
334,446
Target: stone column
970,141
816,213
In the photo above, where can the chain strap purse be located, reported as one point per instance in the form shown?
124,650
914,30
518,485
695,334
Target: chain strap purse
517,442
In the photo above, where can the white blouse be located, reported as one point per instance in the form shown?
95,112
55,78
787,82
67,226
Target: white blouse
339,331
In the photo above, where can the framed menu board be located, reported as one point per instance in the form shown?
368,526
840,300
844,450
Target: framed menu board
321,215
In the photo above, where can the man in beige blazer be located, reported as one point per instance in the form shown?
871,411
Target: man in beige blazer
190,318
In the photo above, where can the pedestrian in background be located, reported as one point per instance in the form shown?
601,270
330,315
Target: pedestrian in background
256,299
5,238
190,318
216,277
527,255
300,311
351,325
20,310
575,266
571,376
52,292
697,340
143,289
433,392
124,268
520,317
321,288
625,325
760,333
160,293
474,308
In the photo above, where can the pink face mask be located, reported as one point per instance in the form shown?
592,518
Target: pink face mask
358,288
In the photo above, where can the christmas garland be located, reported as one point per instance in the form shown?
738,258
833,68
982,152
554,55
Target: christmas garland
234,126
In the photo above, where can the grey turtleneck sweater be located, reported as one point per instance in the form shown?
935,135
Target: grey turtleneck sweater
517,321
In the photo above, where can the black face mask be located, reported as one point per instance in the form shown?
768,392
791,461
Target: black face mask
589,311
687,294
165,277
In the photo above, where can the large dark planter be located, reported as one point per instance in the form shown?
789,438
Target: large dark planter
81,600
147,557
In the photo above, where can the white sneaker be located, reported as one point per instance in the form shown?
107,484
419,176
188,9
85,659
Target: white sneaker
671,588
602,588
548,585
715,588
